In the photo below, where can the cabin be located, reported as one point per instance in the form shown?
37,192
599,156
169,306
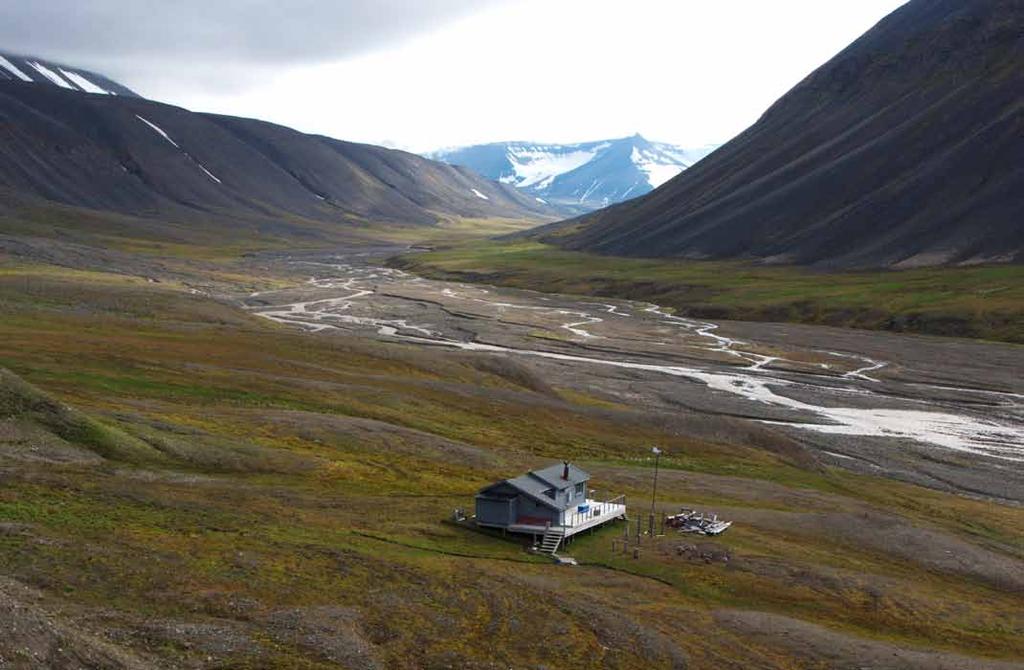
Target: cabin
552,500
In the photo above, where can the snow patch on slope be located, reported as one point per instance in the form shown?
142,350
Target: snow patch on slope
538,166
32,70
657,170
50,74
158,129
479,194
81,82
13,69
208,173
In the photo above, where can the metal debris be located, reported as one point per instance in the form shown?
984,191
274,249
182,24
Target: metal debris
692,521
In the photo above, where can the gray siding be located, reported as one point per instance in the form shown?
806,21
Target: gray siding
497,512
523,500
530,511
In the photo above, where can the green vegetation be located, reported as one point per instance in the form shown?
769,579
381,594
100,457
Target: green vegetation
218,243
211,489
981,302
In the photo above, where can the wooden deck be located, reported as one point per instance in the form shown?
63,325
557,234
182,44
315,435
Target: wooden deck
576,522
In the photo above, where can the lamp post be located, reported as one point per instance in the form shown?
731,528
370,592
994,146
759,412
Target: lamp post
654,487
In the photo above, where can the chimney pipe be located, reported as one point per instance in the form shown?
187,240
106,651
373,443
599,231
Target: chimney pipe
565,472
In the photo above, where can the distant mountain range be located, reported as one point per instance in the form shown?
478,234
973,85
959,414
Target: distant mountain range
78,138
578,177
904,150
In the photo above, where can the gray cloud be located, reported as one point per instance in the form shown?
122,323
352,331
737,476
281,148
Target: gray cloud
226,43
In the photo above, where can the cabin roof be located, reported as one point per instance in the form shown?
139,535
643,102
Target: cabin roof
535,483
551,477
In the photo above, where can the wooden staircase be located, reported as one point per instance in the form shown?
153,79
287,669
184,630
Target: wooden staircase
552,540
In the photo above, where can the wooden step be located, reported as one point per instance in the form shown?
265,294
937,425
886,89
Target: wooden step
552,539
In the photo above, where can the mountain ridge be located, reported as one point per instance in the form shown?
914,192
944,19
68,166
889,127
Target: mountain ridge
127,154
577,177
29,69
895,153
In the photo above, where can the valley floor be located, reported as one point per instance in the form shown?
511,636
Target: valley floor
851,396
984,302
255,470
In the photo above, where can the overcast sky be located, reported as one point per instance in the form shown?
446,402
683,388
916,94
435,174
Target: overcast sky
422,74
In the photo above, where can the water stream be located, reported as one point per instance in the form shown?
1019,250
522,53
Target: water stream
754,381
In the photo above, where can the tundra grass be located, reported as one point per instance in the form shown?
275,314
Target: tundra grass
294,476
222,240
980,302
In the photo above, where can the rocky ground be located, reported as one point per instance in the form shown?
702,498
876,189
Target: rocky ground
944,413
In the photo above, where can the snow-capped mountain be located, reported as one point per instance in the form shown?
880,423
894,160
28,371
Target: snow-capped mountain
578,177
38,71
77,138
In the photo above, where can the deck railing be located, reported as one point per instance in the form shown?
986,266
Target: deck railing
597,510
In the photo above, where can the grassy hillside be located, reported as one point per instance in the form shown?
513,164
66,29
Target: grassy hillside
217,238
982,302
186,484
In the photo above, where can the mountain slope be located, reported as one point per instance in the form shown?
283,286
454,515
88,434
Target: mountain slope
578,177
902,150
39,71
134,156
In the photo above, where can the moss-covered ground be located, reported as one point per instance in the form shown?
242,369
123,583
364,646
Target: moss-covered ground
982,302
203,488
251,476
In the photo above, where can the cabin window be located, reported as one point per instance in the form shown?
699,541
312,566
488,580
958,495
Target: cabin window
579,488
